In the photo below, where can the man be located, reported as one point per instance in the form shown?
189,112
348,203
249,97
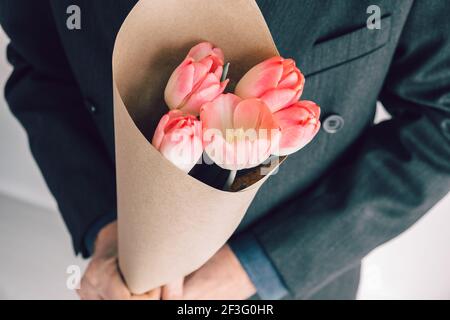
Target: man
354,187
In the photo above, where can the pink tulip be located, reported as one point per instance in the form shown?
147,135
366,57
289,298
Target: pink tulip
299,124
197,80
276,81
179,139
238,133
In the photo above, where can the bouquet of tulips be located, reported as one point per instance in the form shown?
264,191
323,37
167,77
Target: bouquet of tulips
239,130
176,199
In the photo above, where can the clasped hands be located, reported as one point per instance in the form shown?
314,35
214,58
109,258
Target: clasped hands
221,278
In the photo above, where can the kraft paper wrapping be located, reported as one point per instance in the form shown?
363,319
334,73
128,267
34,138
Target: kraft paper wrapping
169,223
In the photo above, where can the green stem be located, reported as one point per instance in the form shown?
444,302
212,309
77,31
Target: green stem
230,180
225,72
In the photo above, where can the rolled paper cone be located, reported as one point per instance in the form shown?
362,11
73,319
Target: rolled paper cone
169,223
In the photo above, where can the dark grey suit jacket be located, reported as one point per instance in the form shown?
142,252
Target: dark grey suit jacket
331,203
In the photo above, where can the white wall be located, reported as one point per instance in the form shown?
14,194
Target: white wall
19,175
416,265
35,248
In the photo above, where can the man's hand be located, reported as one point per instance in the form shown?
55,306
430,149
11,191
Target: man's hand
221,278
102,279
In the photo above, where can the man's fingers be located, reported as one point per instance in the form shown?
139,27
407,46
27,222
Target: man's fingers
115,288
88,291
173,290
154,294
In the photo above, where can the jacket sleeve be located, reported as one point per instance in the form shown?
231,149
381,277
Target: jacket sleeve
44,97
399,169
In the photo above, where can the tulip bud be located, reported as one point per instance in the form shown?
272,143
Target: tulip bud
179,139
196,80
299,123
276,81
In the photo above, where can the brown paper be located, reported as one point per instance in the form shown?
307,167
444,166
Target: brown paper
170,223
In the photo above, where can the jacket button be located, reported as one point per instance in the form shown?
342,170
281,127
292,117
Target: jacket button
445,125
91,106
93,109
333,123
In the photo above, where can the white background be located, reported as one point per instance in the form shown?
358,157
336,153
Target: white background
35,248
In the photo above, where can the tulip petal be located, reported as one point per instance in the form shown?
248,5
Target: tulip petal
218,72
299,124
159,132
255,118
295,138
222,153
288,67
208,91
218,114
209,80
249,114
200,51
311,106
200,72
179,85
289,81
182,150
259,79
218,53
197,99
278,99
204,50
